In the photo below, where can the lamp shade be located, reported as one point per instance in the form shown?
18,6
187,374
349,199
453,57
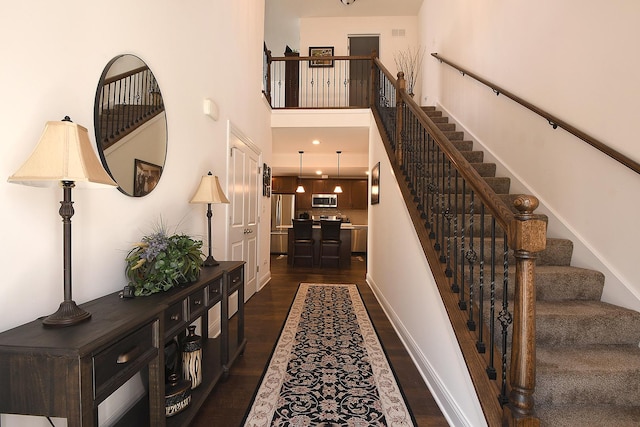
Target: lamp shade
64,153
209,191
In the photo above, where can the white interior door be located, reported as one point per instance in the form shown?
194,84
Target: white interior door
243,211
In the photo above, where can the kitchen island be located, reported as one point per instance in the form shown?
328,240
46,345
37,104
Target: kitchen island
345,246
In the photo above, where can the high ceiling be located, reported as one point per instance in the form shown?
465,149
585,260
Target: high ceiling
328,8
353,142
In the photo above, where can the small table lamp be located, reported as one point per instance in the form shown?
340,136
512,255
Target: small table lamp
209,191
64,156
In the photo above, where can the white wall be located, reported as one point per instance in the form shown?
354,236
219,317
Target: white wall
579,64
399,274
336,31
53,55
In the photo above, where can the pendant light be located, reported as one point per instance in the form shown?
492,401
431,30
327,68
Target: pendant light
300,188
338,189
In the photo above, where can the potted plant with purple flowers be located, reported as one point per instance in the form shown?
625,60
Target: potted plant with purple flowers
161,261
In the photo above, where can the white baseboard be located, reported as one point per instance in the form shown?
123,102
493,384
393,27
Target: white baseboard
442,396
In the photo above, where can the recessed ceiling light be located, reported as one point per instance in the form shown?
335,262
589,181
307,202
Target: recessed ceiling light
315,142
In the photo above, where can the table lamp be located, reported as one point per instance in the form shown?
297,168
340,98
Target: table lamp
64,156
209,191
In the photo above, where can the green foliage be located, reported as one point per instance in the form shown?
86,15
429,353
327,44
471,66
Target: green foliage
160,262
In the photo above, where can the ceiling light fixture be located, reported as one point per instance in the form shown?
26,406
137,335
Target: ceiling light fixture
300,188
347,2
338,189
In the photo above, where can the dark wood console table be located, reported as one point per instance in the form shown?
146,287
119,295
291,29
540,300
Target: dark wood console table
67,372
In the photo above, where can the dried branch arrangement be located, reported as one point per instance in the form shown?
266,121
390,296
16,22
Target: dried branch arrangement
409,62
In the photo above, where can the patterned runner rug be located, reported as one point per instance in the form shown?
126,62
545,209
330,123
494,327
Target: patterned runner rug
328,367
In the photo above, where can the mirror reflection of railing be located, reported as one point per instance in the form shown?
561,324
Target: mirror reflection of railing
318,82
127,101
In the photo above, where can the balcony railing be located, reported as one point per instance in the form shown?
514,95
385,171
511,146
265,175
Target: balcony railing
318,82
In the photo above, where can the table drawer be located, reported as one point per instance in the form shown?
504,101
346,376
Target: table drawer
174,319
235,280
122,359
196,304
214,292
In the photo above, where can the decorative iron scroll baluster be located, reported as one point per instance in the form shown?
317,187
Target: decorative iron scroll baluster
480,345
491,370
472,257
448,216
443,208
505,319
456,273
463,232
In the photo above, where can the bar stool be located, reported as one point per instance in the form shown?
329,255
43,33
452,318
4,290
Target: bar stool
302,240
330,241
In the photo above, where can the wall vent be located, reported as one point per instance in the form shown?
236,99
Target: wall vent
398,32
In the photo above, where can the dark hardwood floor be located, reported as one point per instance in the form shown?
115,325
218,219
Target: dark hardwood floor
265,314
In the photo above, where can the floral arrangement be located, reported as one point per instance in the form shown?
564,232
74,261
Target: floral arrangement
160,262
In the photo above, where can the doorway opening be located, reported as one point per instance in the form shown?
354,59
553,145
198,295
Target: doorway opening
360,74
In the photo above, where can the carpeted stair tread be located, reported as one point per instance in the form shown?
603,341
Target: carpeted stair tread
583,323
600,373
590,416
554,283
556,252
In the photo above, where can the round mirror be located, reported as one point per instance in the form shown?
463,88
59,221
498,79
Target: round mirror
131,125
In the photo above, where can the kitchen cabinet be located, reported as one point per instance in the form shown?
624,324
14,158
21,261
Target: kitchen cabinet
355,192
68,372
284,184
359,194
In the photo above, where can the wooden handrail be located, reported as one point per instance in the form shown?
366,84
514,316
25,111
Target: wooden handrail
526,235
554,121
503,214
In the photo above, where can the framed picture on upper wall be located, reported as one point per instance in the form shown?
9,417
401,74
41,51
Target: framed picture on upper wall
319,52
145,177
375,184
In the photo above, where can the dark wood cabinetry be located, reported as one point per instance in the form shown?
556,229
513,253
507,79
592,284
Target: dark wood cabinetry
354,191
359,194
68,372
284,184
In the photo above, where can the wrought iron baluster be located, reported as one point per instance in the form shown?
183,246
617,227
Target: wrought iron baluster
480,344
455,287
491,369
505,318
448,215
472,257
463,232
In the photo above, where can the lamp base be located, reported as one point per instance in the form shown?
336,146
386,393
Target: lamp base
210,262
68,314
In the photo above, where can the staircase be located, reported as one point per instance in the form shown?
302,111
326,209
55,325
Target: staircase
588,359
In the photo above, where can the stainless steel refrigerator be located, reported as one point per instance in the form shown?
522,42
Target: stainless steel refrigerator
282,212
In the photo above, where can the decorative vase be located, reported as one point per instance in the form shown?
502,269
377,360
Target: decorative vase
192,358
177,396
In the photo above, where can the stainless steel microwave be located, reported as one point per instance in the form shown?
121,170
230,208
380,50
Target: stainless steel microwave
324,200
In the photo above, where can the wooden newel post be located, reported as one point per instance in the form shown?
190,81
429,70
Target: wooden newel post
527,237
402,87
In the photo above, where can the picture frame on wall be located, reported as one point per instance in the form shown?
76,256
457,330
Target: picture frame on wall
319,52
266,180
375,184
145,177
